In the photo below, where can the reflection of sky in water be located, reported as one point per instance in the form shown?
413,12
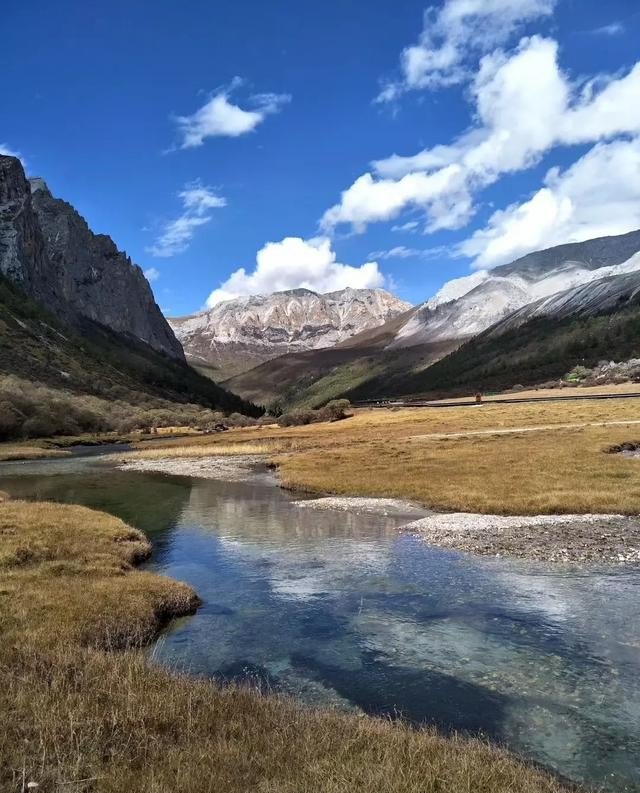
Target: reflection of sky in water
342,610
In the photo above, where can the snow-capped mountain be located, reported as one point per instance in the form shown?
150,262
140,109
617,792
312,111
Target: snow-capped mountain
466,306
236,335
601,296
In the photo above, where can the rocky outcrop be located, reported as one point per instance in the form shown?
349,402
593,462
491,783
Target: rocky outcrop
49,250
236,335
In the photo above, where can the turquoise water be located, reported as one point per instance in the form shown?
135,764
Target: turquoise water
343,610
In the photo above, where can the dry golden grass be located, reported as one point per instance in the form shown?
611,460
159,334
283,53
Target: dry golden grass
24,451
382,453
78,717
67,575
158,452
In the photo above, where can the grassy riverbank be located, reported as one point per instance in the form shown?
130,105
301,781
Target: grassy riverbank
81,710
28,451
504,459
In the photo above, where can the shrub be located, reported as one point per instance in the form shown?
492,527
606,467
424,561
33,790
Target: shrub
335,410
297,418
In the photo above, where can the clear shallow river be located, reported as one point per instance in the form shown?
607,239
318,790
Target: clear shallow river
344,610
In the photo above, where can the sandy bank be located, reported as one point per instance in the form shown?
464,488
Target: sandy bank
588,539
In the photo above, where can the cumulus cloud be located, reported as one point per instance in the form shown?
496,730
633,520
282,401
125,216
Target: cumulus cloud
599,195
524,106
197,201
455,32
220,117
296,263
152,274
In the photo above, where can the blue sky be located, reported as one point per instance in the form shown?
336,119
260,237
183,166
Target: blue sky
530,103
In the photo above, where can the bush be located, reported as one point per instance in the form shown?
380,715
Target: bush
297,418
332,411
335,410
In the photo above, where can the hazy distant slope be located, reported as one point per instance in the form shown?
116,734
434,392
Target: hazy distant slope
313,377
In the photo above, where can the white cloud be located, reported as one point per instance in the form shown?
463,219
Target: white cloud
454,32
219,117
524,106
399,252
410,225
197,200
599,195
152,274
402,252
296,263
613,29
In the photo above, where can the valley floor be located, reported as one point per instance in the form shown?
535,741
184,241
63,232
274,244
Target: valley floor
83,708
482,467
503,459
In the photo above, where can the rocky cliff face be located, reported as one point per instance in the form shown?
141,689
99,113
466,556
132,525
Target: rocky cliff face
23,256
467,306
238,334
48,248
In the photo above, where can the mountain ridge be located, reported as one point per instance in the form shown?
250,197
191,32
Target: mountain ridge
235,335
398,353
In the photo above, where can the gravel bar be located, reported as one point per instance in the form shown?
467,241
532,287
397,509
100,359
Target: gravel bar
567,539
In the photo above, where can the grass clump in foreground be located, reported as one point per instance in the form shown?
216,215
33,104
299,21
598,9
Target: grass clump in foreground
82,708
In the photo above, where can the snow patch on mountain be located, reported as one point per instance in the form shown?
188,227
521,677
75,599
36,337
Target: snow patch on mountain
467,306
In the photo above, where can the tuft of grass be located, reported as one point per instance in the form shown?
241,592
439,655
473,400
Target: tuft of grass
77,714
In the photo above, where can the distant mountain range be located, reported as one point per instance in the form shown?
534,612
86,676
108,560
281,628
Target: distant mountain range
237,335
566,284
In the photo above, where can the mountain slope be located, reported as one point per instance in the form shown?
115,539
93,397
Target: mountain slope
542,341
48,249
82,343
312,377
467,306
91,359
397,361
239,334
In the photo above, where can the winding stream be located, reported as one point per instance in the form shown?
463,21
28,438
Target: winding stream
343,610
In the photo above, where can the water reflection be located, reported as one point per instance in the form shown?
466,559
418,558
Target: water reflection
341,609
